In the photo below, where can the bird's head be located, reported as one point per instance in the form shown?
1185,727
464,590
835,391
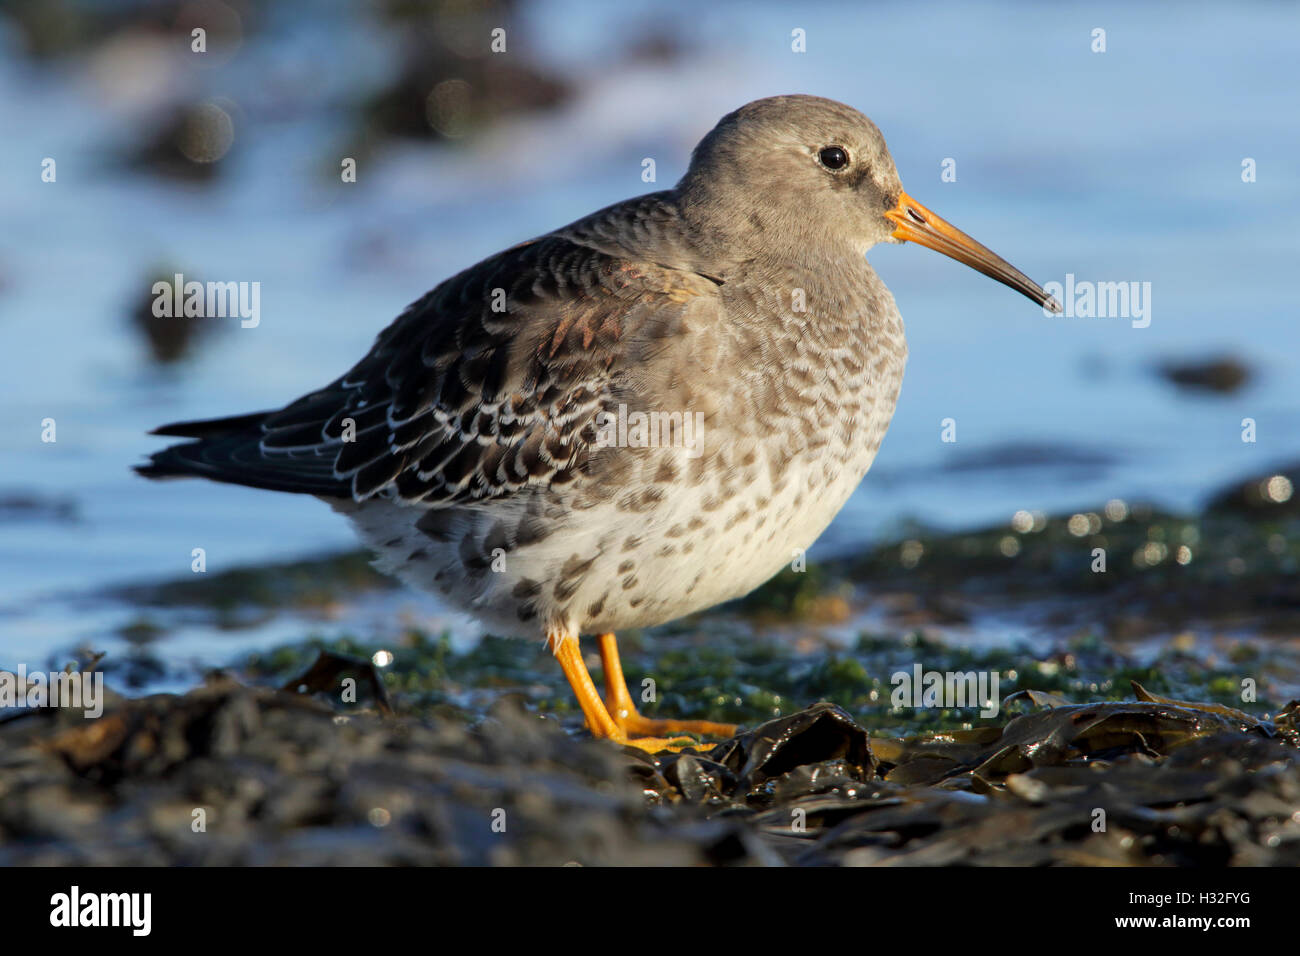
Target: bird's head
792,170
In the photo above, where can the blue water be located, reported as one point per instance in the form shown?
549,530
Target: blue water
1115,166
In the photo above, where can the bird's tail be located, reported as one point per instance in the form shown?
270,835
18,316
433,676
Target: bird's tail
230,450
212,427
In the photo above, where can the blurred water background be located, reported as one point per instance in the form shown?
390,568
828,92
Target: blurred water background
1116,166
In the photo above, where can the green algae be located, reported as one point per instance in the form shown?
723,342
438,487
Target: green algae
748,681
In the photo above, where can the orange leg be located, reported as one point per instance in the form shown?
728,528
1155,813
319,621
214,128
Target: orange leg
620,707
599,721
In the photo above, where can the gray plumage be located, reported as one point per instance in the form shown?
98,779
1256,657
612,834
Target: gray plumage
741,298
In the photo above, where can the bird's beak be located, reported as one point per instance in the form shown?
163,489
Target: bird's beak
917,224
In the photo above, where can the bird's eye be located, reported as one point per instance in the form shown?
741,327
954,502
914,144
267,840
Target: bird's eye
833,157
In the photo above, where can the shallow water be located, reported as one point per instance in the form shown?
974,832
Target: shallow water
1122,166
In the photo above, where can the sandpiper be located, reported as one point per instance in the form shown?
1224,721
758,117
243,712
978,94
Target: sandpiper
637,416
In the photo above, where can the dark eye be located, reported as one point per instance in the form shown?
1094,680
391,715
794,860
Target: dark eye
833,157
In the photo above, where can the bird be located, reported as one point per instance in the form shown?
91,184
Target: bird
640,415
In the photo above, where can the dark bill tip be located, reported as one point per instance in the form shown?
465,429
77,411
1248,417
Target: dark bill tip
917,224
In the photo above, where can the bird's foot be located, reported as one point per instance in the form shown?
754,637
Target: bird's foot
655,745
616,718
654,735
633,723
623,712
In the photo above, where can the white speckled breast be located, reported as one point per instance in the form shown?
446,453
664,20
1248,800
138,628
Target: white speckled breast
795,413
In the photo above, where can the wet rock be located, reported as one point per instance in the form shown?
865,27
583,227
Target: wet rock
818,748
1015,456
1232,566
47,29
169,338
188,143
450,83
1267,495
235,775
280,779
1153,781
33,506
1222,374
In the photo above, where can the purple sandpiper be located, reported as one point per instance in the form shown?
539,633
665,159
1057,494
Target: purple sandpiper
637,416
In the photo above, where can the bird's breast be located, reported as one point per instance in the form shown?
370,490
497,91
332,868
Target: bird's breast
786,401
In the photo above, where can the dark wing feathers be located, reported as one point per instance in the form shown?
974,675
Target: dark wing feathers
210,427
237,458
459,401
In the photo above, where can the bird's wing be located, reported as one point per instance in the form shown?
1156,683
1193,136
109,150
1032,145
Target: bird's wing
489,383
